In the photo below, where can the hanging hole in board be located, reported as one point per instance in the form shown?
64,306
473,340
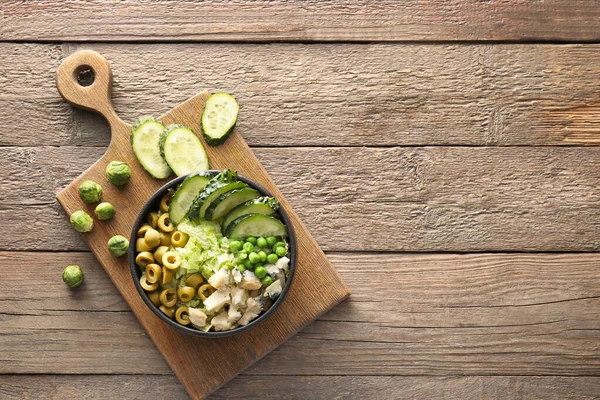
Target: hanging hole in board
84,75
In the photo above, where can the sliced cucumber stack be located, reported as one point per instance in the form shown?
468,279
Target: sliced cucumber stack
261,205
224,181
145,141
185,195
228,200
219,117
256,225
182,150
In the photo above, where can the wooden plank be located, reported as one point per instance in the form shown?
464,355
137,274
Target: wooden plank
50,20
191,357
383,199
351,95
126,387
409,314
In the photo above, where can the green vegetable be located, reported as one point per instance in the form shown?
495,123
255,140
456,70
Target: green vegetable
118,173
241,268
221,183
280,251
266,281
262,255
81,221
227,201
182,150
248,247
242,255
272,258
261,205
185,195
145,141
261,242
105,211
271,240
251,239
72,275
219,118
278,244
235,245
90,192
248,264
260,271
255,225
118,245
253,257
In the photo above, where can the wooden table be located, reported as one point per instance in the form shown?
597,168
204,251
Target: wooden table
437,150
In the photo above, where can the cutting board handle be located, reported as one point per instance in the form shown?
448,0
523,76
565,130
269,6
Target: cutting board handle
84,79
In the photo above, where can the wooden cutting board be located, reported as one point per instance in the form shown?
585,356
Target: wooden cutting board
202,364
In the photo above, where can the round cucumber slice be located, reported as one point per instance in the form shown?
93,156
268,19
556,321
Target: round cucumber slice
219,117
183,150
261,205
145,141
185,195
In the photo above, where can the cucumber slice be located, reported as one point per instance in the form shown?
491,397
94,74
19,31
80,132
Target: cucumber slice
262,205
255,225
219,117
183,150
145,139
214,189
228,200
185,195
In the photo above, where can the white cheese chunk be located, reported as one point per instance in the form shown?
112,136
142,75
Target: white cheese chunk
233,315
274,290
250,281
217,300
197,316
254,308
219,279
220,322
283,263
238,296
237,275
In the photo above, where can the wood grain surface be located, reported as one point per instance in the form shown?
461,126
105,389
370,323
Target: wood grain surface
359,95
388,20
191,358
447,198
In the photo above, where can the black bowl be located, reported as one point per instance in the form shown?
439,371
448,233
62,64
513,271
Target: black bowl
152,205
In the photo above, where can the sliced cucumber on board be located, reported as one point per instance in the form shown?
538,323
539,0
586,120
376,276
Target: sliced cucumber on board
185,195
145,141
255,225
224,178
219,117
228,200
183,150
261,205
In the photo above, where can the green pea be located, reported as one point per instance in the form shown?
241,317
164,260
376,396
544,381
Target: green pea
235,245
248,247
272,258
278,244
280,251
251,239
253,257
262,255
267,281
260,271
242,255
241,268
248,264
271,240
261,242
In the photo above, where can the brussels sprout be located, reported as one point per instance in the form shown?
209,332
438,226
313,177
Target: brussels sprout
118,173
105,211
81,221
118,245
72,276
90,192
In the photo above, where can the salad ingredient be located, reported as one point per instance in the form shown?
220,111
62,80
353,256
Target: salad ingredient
273,289
186,293
171,260
118,245
167,276
153,273
81,221
145,141
142,231
143,259
260,271
219,117
197,316
248,247
118,173
261,242
271,240
250,281
165,202
165,238
251,239
262,255
219,184
267,280
261,205
72,275
228,200
90,192
194,280
153,219
152,238
217,300
169,311
272,258
179,239
164,223
168,297
185,195
255,225
105,211
155,298
182,315
182,150
147,286
140,245
159,252
203,290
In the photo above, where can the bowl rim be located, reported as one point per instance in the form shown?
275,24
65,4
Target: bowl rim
136,275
